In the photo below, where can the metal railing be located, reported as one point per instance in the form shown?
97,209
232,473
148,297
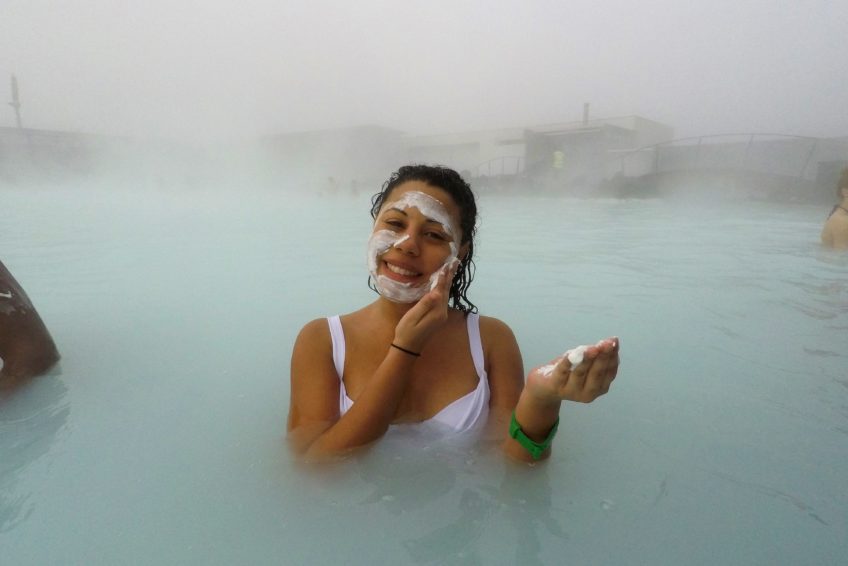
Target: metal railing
506,165
773,154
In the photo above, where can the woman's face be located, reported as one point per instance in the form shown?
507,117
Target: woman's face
415,235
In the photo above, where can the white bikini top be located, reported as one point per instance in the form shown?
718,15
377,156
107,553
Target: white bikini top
462,414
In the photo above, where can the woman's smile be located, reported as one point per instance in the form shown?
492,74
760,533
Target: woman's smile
403,273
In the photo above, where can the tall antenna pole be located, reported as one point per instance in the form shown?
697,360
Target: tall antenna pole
16,102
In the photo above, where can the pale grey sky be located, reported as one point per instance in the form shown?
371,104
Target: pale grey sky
212,69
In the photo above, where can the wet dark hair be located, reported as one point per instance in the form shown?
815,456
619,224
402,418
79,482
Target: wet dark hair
451,182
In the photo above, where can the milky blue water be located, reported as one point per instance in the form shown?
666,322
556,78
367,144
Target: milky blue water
159,440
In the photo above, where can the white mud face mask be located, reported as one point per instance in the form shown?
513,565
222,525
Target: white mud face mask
382,241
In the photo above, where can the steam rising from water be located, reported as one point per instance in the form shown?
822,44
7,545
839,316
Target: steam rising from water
216,70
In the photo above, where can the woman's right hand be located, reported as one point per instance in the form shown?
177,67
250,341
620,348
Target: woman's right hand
428,314
585,382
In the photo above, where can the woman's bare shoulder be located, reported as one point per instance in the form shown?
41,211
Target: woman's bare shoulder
835,231
315,328
314,336
499,341
504,365
492,328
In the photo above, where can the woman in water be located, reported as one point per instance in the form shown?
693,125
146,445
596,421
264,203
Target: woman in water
835,231
420,354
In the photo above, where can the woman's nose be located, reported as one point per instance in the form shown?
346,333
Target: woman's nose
408,244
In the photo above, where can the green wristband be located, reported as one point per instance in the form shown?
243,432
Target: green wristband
536,449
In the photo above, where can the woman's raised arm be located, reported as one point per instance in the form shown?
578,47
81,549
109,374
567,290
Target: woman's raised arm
314,425
315,428
528,411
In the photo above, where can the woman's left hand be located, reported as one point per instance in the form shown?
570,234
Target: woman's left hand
585,382
429,313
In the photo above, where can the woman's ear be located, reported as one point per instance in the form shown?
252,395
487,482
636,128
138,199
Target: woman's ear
463,251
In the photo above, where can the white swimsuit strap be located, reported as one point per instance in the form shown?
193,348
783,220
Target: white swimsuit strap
337,334
476,343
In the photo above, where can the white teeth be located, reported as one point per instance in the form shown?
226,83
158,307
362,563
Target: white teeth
400,271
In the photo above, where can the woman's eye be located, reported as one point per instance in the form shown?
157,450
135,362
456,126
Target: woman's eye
437,236
394,223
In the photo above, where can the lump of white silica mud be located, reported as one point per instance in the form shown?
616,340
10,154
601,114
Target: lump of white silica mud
547,370
575,355
449,264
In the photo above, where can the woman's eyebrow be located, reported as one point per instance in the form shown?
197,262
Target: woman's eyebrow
392,208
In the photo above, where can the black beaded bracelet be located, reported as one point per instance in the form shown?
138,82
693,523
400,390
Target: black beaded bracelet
410,352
